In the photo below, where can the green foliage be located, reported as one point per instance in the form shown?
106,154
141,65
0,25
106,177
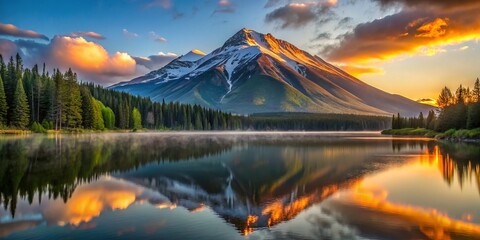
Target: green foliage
410,132
108,117
400,122
47,124
136,119
462,133
73,101
98,123
316,121
88,113
3,104
37,128
450,132
20,110
461,113
473,118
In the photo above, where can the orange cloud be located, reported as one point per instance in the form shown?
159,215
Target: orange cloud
89,58
433,223
435,28
358,71
429,101
89,201
416,29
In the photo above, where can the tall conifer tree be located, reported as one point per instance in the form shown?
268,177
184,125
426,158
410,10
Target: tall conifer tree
20,110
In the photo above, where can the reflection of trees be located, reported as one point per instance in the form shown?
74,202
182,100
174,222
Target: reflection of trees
54,166
460,159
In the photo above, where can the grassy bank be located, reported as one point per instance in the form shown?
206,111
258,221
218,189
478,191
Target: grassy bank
64,131
452,134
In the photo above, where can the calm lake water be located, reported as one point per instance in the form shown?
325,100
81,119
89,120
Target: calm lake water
238,186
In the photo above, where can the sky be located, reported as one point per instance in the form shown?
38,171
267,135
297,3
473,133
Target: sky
408,47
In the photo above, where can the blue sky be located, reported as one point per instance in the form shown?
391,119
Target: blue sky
336,30
197,26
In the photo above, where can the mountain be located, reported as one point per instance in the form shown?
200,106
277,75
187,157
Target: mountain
254,72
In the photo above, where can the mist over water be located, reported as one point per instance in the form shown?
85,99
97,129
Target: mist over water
235,185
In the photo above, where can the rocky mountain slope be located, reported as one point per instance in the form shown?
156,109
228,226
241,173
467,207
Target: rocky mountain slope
254,72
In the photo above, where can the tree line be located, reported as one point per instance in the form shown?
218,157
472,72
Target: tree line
459,110
39,100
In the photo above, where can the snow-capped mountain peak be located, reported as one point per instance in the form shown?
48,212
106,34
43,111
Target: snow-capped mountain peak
255,72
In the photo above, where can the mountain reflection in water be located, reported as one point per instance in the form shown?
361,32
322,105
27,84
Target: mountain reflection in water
292,185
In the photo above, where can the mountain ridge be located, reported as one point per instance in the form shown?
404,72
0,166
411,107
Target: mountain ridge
253,72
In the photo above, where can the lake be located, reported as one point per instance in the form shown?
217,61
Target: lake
243,185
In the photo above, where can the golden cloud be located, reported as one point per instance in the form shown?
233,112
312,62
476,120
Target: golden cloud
435,28
89,57
416,29
89,201
358,71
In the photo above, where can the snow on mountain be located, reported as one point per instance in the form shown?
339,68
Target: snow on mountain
254,72
192,56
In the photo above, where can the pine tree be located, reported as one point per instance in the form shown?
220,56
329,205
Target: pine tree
430,124
20,111
3,68
460,95
421,120
47,104
476,91
445,98
60,100
9,86
87,108
3,104
73,101
18,66
473,118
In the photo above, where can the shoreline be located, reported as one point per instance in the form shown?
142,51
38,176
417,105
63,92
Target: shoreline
452,135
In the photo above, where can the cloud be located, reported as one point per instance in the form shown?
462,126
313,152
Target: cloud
273,3
128,34
421,27
156,37
344,22
89,59
224,6
93,35
358,71
323,36
7,49
295,15
165,4
445,4
157,61
12,30
428,101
